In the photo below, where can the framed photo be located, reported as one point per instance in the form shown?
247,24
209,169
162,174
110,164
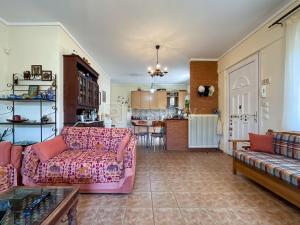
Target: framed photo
36,70
47,75
104,96
33,90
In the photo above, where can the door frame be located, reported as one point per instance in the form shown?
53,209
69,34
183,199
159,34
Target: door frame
243,62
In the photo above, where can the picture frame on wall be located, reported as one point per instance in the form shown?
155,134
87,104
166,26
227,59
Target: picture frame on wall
104,96
36,70
47,75
33,90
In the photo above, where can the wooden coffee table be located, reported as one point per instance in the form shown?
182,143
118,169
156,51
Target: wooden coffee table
62,201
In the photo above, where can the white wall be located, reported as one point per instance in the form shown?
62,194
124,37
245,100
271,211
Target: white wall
3,56
41,45
30,45
66,46
269,44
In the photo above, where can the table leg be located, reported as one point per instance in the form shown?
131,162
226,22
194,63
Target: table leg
147,137
72,217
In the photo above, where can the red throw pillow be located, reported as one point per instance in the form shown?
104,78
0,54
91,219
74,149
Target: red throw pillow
261,143
48,149
5,148
121,148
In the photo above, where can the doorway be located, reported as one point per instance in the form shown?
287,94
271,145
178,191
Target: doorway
244,99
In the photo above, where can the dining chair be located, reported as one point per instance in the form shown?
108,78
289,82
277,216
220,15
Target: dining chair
141,135
158,133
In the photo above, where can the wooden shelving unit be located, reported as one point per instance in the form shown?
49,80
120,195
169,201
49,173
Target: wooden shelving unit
81,89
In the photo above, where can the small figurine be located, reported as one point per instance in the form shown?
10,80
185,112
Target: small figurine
44,119
26,75
50,94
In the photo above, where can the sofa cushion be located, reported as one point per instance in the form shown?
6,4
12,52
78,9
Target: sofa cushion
16,156
48,149
121,147
284,168
261,143
76,137
7,177
110,138
69,167
5,148
100,136
287,145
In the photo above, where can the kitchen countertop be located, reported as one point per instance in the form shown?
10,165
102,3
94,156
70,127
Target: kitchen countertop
177,119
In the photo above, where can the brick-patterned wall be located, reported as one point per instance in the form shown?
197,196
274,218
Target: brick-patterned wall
203,73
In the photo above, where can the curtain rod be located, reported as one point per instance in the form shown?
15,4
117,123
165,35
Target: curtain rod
277,22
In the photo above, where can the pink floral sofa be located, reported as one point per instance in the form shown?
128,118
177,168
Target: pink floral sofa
10,163
83,165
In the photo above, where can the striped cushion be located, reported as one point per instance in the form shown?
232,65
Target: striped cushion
287,145
284,168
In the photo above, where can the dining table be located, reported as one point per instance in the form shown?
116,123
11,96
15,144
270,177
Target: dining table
145,124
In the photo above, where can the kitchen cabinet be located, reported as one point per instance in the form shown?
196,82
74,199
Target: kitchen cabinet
161,99
177,134
181,99
148,100
135,99
158,100
145,100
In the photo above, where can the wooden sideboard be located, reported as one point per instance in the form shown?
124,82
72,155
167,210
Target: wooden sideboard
81,90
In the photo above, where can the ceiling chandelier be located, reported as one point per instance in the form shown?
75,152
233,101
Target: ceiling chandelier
157,70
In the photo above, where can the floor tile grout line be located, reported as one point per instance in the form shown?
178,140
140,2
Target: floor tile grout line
124,213
151,200
179,207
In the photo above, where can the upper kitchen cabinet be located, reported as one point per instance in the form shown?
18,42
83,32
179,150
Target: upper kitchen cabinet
148,100
136,99
181,99
158,100
145,100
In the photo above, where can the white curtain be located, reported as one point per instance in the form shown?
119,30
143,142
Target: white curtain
291,109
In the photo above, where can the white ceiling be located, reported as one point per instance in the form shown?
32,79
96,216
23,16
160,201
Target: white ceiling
121,35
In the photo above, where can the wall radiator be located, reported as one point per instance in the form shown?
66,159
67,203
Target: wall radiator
203,131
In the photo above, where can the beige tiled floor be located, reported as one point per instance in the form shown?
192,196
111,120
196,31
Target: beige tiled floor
187,188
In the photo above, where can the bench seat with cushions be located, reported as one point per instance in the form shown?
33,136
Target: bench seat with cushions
280,171
10,163
83,164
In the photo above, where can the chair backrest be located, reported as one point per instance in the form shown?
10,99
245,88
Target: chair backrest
160,125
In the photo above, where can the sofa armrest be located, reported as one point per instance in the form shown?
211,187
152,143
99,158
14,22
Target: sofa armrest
16,156
30,162
130,153
235,143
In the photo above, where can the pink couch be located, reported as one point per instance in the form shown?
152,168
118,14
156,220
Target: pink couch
83,164
10,163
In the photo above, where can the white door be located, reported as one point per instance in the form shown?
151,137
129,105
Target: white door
243,99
